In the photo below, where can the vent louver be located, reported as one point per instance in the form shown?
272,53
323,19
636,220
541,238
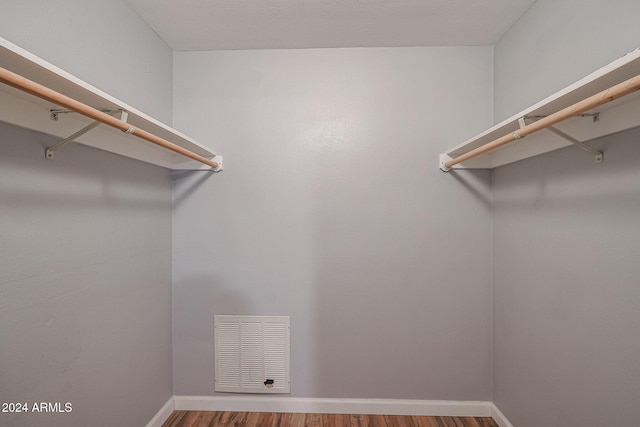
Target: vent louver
252,354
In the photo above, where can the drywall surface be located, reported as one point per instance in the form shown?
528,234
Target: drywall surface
566,238
85,284
567,299
332,210
557,42
102,42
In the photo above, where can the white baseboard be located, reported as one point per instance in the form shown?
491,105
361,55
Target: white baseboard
334,406
162,415
499,417
451,408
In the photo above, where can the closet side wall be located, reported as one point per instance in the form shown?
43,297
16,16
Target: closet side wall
101,42
557,42
566,235
85,293
85,240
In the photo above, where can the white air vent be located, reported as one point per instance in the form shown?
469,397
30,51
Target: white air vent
252,354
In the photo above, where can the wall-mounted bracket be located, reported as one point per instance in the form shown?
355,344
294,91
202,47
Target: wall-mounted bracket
443,160
595,117
218,160
599,156
49,153
54,114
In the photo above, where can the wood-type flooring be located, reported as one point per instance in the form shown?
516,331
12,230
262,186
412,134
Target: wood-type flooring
271,419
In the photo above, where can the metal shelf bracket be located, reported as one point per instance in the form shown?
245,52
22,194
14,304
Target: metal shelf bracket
599,155
49,153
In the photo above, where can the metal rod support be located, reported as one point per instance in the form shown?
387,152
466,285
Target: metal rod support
595,116
49,153
55,112
598,154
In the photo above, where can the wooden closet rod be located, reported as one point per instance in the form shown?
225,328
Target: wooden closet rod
593,101
36,89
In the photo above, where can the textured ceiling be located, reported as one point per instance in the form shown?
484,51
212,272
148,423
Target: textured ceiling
272,24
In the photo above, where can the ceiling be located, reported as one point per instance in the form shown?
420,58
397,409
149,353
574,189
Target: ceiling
274,24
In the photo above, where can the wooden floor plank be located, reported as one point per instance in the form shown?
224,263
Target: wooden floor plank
359,420
486,422
451,421
298,420
174,419
399,421
236,419
313,420
252,419
265,419
377,421
448,422
281,419
190,419
440,422
363,420
423,421
336,420
469,422
205,419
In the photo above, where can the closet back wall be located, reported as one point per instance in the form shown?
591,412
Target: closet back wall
332,209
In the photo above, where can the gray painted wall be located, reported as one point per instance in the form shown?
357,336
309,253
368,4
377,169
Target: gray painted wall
85,241
566,238
332,209
102,42
556,43
566,247
85,283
